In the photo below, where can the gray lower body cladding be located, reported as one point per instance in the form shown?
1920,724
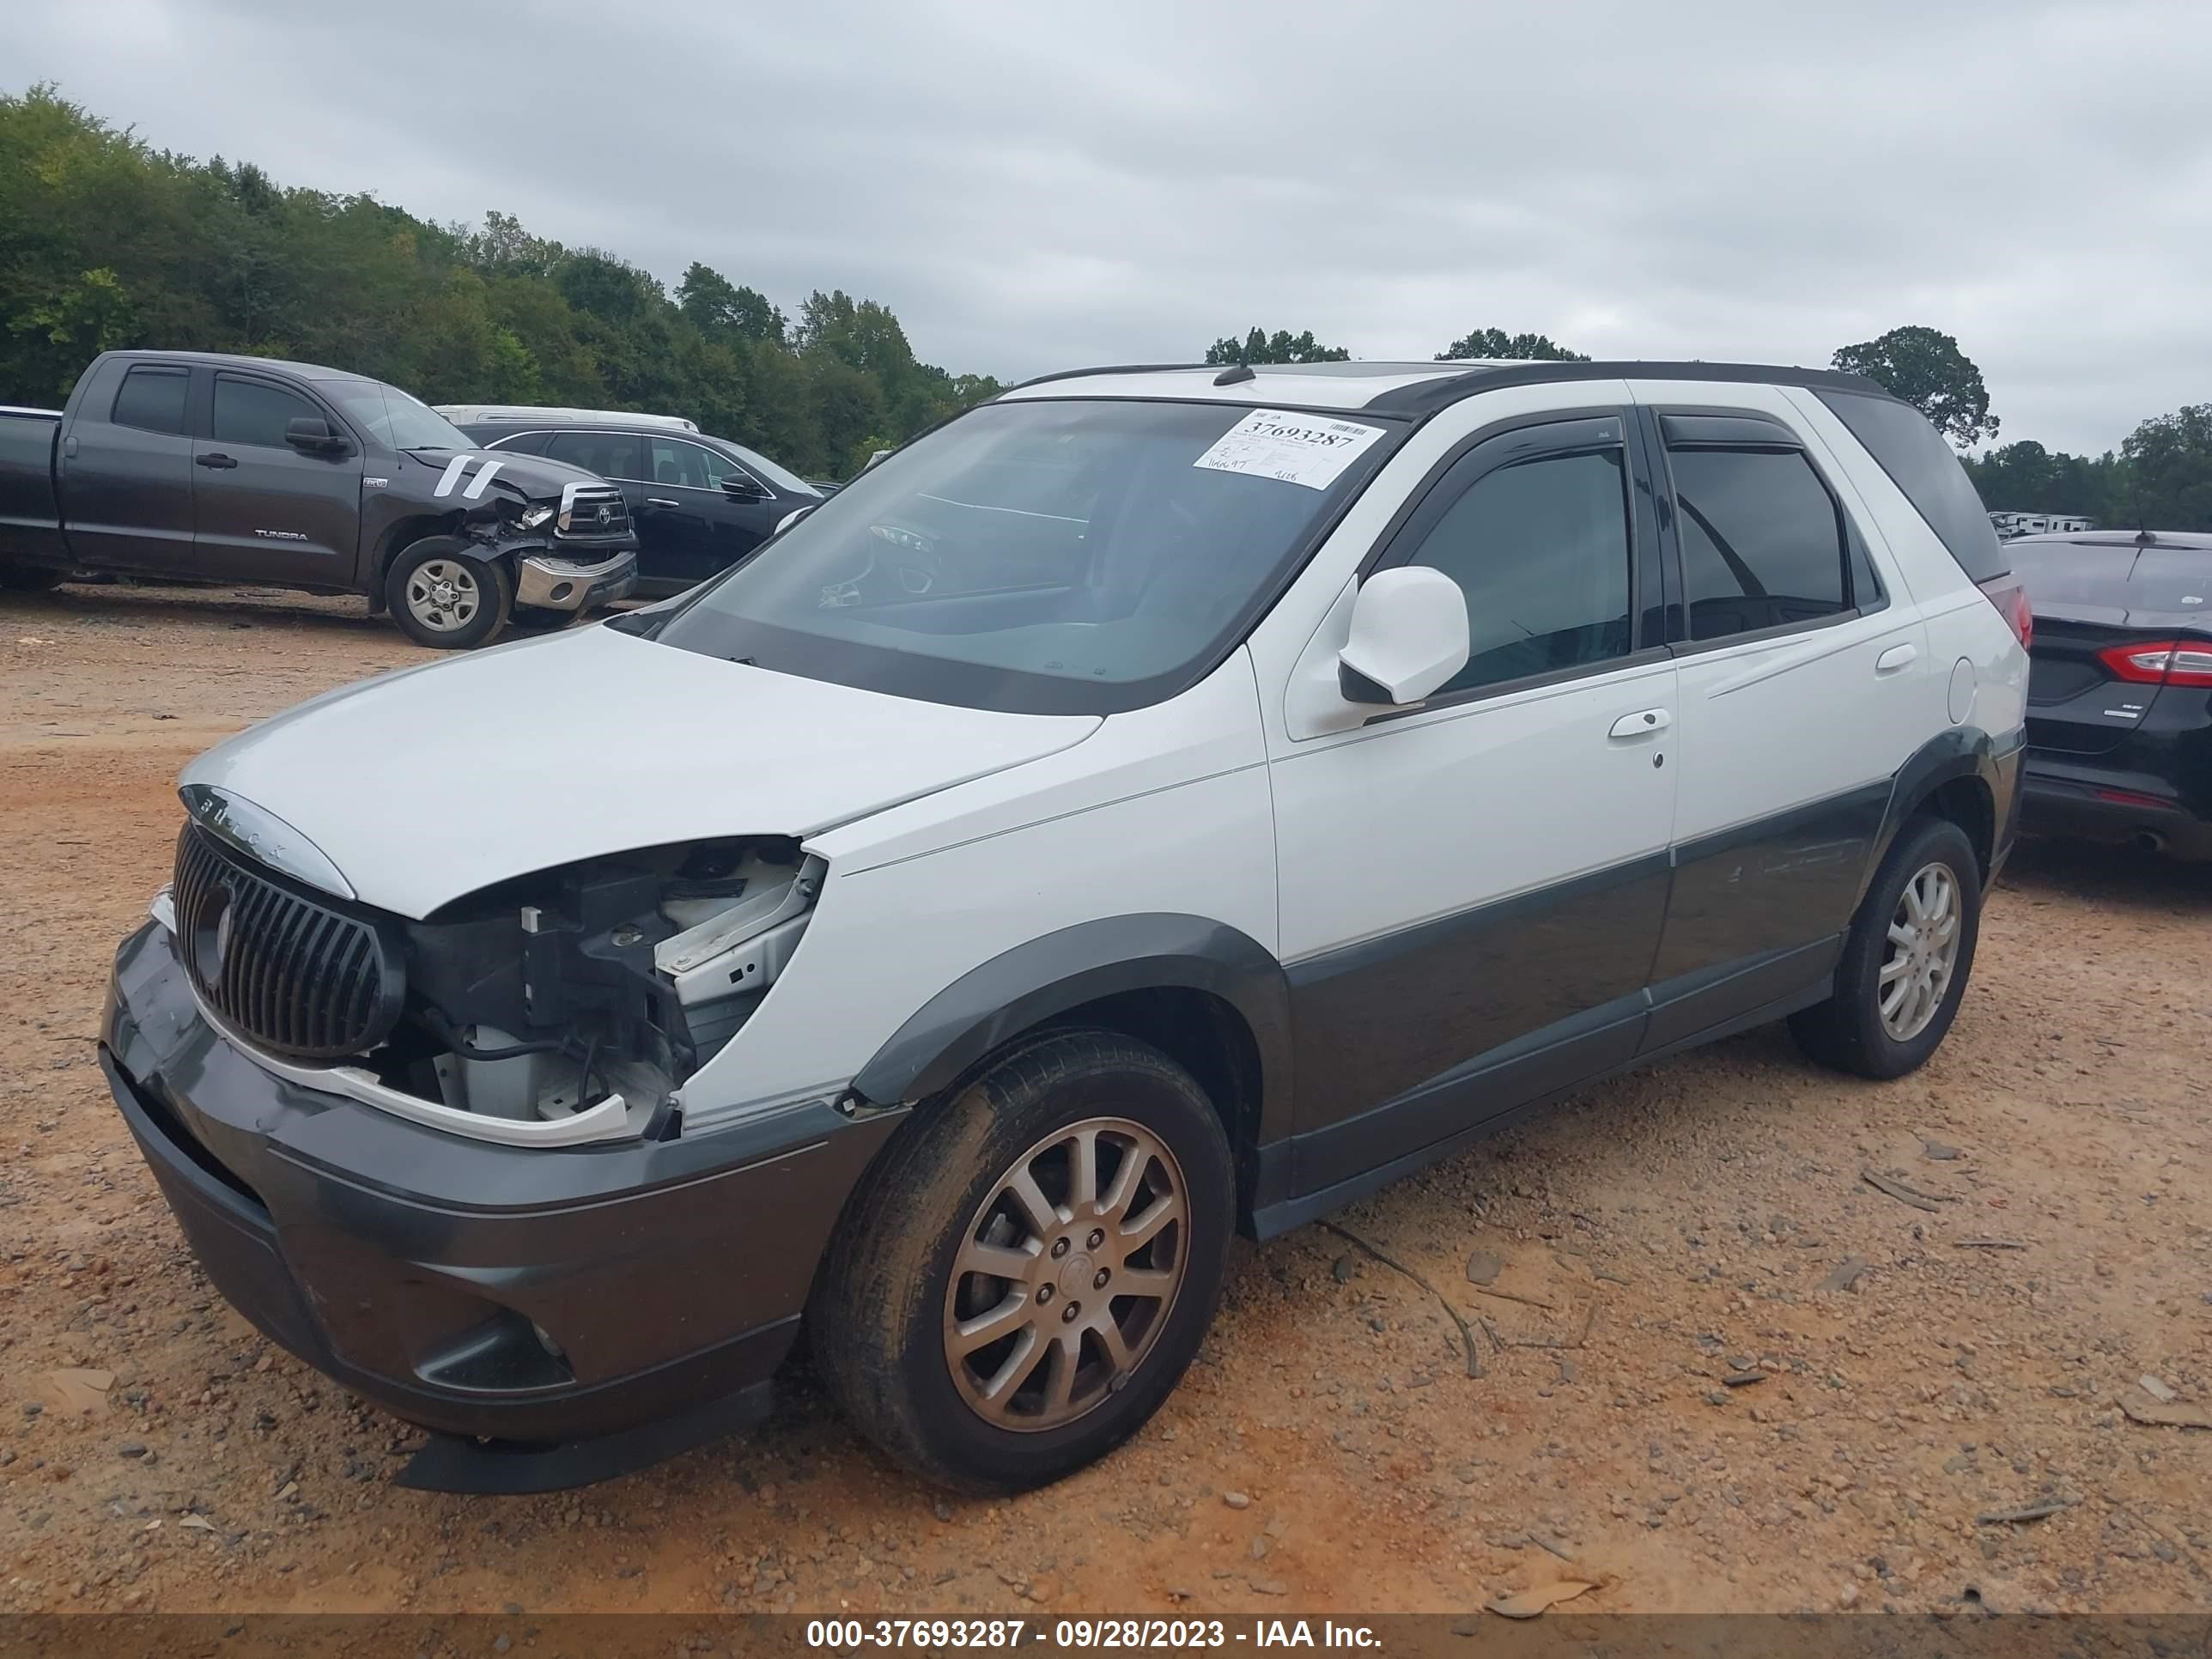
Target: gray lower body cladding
520,1295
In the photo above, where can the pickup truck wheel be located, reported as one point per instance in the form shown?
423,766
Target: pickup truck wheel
1026,1272
443,596
27,578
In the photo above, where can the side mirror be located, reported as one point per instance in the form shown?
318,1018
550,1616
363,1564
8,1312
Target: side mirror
741,489
312,434
1408,637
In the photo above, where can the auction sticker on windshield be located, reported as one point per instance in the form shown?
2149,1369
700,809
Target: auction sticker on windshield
1311,450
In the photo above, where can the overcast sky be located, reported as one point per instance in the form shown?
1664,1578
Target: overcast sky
1035,185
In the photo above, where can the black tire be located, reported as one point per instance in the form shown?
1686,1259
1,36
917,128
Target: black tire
1847,1031
28,578
494,589
539,619
883,1301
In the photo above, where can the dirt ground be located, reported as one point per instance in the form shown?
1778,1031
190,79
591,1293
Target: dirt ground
1645,1244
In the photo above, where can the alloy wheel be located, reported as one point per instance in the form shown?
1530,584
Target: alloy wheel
1066,1274
1923,951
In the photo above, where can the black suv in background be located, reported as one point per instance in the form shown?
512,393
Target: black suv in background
700,504
2119,699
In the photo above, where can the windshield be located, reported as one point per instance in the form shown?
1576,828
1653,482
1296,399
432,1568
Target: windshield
393,418
1043,556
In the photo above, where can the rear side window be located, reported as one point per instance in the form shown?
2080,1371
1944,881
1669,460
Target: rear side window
151,399
1540,549
610,454
1921,464
255,413
1762,543
689,465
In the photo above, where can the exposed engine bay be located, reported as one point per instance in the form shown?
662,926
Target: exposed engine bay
536,999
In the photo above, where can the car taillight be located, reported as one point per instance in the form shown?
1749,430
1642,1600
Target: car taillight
2161,662
2011,600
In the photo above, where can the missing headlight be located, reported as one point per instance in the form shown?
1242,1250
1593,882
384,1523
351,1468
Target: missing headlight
534,998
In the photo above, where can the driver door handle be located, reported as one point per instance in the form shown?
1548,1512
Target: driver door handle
215,457
1642,723
660,501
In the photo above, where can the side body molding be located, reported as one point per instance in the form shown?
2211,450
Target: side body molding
1057,971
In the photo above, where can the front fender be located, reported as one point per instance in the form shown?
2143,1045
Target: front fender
1055,972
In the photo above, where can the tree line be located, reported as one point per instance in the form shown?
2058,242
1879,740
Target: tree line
107,242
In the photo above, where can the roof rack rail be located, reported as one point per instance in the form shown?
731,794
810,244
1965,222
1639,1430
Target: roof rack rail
1425,398
1104,368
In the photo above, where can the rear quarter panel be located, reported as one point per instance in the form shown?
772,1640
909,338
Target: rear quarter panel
1963,625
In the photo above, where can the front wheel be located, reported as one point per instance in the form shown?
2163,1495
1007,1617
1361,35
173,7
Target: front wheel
1905,962
443,596
1030,1266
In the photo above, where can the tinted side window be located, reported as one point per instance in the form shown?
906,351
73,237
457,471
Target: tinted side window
256,413
610,454
691,465
152,399
1540,550
1921,464
1761,546
530,443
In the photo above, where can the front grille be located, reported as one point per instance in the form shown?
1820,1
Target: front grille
292,972
580,516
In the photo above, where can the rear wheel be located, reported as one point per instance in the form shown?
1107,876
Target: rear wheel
1905,963
443,596
1031,1265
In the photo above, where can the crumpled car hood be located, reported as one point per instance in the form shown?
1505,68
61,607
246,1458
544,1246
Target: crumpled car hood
425,785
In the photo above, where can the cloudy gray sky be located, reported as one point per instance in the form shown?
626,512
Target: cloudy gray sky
1034,186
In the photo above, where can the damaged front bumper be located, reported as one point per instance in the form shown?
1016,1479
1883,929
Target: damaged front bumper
554,581
560,1314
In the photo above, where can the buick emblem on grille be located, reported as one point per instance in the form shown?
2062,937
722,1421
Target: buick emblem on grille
210,933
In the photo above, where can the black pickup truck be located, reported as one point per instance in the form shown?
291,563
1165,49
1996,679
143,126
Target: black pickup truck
192,467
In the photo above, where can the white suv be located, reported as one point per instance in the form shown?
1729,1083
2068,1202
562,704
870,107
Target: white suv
1157,802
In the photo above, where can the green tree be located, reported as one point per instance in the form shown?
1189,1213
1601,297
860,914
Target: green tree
719,308
1927,369
107,242
1281,347
2170,463
1497,344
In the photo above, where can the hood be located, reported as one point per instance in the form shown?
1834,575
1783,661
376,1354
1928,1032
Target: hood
530,478
425,785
